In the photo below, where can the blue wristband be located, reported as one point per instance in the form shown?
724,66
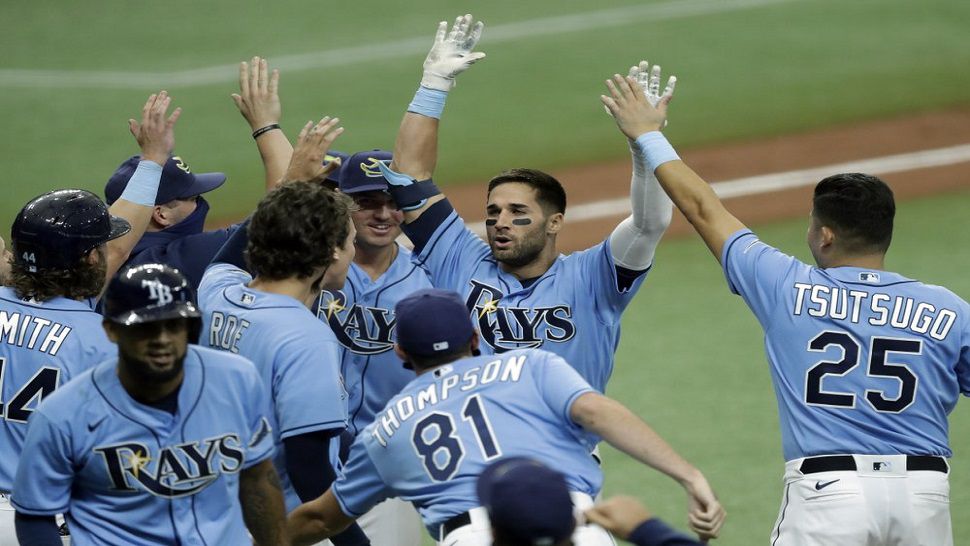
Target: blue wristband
656,149
428,102
142,188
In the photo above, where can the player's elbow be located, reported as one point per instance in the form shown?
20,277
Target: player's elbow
587,411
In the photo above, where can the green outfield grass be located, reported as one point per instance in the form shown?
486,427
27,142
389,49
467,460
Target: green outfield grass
762,70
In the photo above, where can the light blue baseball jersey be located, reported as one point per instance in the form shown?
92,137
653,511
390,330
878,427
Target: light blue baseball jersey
572,310
297,356
431,442
862,361
129,474
362,317
42,346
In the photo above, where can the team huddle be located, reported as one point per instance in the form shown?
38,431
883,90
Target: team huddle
303,377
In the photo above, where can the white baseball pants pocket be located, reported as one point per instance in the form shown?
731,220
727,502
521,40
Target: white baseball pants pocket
878,504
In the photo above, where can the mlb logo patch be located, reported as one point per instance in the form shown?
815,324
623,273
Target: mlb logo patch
882,466
247,299
868,276
440,346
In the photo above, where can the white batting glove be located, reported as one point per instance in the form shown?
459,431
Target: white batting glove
649,80
452,53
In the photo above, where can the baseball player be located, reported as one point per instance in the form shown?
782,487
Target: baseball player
518,289
166,443
299,240
529,503
361,314
432,440
866,363
65,244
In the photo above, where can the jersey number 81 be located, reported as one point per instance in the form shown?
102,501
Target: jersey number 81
441,450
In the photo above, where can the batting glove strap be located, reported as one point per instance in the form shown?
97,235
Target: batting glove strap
657,149
406,191
428,102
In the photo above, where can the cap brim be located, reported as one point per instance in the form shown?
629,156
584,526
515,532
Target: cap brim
119,227
204,183
366,187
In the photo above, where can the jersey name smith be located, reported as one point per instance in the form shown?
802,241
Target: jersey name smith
173,471
508,328
877,309
32,332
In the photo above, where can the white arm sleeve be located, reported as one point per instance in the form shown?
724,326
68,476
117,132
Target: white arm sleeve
634,241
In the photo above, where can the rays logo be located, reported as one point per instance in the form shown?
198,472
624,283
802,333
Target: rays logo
370,169
158,291
180,163
362,330
508,328
173,471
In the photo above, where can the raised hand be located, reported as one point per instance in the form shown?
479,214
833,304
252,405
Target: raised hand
156,132
452,52
312,146
258,99
631,109
649,80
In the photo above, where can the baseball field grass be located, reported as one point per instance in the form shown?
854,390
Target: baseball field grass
73,73
691,360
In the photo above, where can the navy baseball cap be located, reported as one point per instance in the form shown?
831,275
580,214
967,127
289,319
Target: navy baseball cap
360,173
178,182
432,322
527,502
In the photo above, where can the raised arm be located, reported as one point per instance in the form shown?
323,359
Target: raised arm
416,146
259,103
620,428
641,122
635,239
261,498
155,135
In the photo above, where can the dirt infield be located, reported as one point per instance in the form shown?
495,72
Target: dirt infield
758,157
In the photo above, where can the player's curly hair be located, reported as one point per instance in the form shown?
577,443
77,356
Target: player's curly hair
296,229
859,207
83,280
549,192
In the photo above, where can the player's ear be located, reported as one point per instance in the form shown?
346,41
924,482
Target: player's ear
109,330
828,236
403,356
554,223
160,216
475,340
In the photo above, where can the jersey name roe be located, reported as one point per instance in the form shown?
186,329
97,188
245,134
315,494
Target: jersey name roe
862,361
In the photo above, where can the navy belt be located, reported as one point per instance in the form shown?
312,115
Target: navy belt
830,463
456,522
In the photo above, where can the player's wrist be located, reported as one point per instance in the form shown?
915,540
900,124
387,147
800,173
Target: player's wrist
656,149
428,101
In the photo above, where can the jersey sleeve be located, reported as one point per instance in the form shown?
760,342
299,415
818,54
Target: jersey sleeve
963,364
308,390
259,444
359,486
219,275
451,253
598,280
755,271
559,384
43,487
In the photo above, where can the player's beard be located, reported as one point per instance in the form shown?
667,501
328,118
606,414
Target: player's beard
528,248
146,373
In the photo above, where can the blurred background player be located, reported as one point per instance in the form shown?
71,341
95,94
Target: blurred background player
361,314
518,288
866,364
528,503
433,440
256,296
166,443
176,234
66,243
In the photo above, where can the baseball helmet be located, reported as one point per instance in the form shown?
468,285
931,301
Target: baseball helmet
54,230
148,293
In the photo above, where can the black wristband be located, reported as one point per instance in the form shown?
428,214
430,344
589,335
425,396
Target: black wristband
412,194
266,129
